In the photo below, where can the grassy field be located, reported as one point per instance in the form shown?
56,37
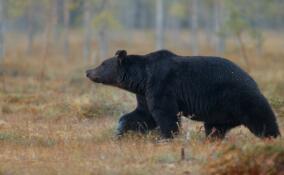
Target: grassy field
55,121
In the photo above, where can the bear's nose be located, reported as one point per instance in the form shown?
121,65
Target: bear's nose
88,73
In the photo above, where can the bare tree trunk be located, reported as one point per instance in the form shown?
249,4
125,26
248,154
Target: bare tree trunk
137,14
2,42
209,34
175,28
59,15
30,29
159,24
144,14
218,22
243,51
103,43
87,30
54,24
49,20
66,22
194,27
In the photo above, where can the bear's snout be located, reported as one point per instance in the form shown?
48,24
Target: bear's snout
92,75
89,73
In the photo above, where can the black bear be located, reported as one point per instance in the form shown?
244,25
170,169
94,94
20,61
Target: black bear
209,89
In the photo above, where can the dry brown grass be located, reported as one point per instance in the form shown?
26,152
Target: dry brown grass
61,123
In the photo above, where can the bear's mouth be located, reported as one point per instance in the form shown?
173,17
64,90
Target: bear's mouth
96,80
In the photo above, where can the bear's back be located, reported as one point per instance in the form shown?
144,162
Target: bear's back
212,70
202,73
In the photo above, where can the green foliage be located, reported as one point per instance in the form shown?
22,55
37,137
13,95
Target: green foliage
17,8
257,36
73,5
177,9
235,23
105,20
239,21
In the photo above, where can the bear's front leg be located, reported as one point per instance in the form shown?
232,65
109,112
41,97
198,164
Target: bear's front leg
138,121
164,110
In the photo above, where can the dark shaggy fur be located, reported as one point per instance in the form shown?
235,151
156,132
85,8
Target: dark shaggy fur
208,89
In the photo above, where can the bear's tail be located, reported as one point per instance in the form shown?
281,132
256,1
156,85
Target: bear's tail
261,120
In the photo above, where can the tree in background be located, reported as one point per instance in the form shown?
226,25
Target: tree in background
2,43
32,13
31,26
99,19
35,17
238,24
219,14
87,23
159,24
194,9
50,21
66,25
177,13
139,18
104,22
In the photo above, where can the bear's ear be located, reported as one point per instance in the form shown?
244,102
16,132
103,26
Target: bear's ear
121,54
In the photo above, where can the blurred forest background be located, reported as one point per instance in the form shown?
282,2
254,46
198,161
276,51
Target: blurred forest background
94,25
53,120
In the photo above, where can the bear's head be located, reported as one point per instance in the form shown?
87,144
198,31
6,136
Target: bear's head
108,71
